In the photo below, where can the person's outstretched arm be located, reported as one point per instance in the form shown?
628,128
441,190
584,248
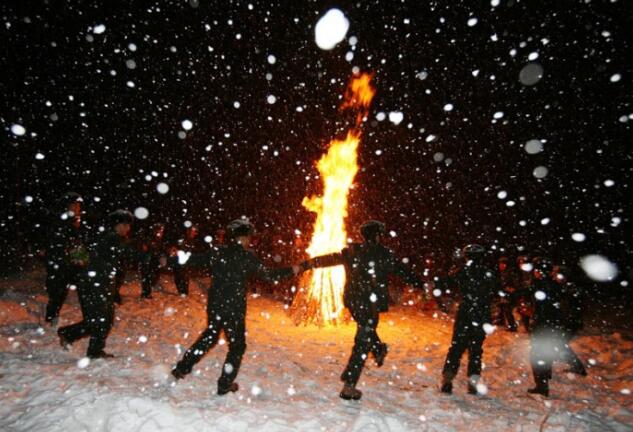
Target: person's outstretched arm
330,260
270,274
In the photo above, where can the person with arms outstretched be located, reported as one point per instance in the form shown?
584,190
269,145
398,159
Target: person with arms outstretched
231,266
367,266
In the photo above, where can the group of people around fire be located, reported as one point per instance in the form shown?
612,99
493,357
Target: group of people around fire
546,301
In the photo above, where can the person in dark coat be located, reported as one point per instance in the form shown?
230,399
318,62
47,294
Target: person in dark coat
522,298
507,286
188,244
153,246
96,286
477,285
231,265
367,266
549,338
65,253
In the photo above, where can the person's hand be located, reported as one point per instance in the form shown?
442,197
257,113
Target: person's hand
296,269
173,251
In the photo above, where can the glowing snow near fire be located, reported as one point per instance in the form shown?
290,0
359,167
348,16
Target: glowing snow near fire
321,297
331,29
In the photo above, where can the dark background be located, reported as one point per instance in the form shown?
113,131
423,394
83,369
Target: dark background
101,138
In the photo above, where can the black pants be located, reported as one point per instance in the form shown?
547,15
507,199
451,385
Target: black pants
549,345
181,279
366,341
505,317
466,336
57,281
149,275
98,317
234,328
119,280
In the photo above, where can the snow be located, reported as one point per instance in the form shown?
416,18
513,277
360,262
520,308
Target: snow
472,22
289,376
331,29
141,213
99,28
162,188
615,78
531,74
396,117
448,107
533,146
540,172
17,129
186,125
599,268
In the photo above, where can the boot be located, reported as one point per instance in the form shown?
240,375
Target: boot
447,387
578,369
350,392
447,383
233,387
380,354
472,384
100,354
541,388
65,343
178,374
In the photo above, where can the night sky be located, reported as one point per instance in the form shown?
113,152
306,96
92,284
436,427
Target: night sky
105,110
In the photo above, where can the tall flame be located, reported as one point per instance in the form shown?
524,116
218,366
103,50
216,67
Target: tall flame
321,297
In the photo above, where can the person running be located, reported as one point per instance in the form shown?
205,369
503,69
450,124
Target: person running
476,284
231,265
367,266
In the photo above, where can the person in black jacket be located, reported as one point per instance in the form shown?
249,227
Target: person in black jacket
150,268
231,265
477,285
549,338
64,253
507,287
189,244
96,286
367,266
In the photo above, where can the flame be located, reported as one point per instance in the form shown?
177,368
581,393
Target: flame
322,297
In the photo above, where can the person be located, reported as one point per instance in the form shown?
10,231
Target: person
549,337
96,286
150,268
521,297
367,266
231,265
65,253
507,284
477,285
188,244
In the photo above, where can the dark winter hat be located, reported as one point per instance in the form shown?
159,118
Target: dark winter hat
120,216
372,228
240,228
473,251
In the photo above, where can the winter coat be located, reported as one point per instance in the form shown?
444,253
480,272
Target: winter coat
477,285
231,266
367,266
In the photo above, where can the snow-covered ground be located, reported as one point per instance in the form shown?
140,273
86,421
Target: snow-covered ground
289,378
